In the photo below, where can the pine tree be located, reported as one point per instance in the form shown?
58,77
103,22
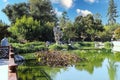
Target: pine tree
112,12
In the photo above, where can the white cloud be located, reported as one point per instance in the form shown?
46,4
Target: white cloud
59,13
91,1
83,12
5,1
67,3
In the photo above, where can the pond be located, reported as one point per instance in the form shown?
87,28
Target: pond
99,65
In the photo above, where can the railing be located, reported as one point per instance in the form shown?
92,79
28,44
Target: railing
12,66
6,52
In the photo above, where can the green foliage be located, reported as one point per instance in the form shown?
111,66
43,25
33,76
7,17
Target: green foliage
32,73
117,33
108,32
61,47
26,29
77,45
55,47
63,20
42,10
88,44
112,12
12,40
3,30
69,32
34,20
117,56
108,44
87,27
47,32
16,11
28,47
29,56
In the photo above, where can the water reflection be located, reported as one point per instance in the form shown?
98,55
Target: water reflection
112,70
102,65
108,71
32,73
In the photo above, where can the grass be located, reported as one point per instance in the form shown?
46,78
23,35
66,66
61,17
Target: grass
29,56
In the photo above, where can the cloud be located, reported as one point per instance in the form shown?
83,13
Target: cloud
83,12
58,13
91,1
67,3
5,1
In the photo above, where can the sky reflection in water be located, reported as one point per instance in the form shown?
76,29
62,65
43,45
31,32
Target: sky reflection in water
101,73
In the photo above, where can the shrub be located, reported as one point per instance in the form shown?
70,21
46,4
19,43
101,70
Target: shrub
55,47
61,47
26,28
117,33
77,45
12,40
88,44
28,47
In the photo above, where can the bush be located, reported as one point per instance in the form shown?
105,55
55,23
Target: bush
29,47
77,45
55,47
26,28
12,40
88,44
61,47
117,33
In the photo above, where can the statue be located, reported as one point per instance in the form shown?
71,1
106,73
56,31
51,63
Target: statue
58,34
4,42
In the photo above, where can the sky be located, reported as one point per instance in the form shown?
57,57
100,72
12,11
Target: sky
73,8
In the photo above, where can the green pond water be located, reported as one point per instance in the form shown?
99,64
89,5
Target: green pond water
99,65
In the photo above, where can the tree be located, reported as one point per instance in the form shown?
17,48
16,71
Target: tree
112,12
16,11
26,29
38,9
108,32
63,20
87,27
67,27
80,29
69,32
42,10
3,30
117,33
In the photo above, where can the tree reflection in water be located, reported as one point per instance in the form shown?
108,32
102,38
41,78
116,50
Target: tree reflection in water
112,70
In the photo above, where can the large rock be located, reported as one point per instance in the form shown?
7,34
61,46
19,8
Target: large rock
19,58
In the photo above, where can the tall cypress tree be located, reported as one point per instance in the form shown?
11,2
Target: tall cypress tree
112,12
